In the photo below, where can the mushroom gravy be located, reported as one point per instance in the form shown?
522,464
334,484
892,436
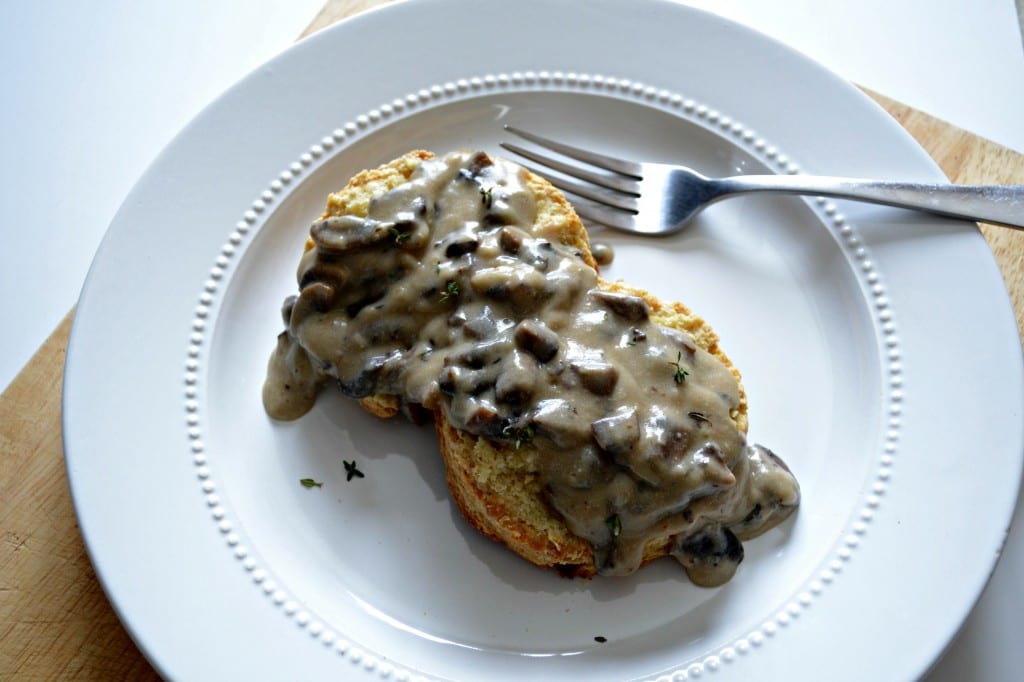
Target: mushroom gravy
447,297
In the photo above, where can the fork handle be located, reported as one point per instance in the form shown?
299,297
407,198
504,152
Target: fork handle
997,204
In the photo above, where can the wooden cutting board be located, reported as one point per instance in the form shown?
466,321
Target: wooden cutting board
55,620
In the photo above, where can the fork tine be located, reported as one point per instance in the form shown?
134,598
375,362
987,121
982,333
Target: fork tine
609,163
609,217
613,199
616,183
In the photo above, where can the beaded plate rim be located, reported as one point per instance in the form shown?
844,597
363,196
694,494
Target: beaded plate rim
701,114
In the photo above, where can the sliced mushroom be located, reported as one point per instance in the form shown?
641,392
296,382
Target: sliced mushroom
628,307
458,318
520,286
597,377
476,166
481,327
315,298
322,270
480,355
511,239
711,557
515,384
461,381
286,309
460,243
558,420
479,416
680,339
536,338
380,374
708,458
338,234
619,432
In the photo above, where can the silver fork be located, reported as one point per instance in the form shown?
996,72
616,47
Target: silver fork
660,199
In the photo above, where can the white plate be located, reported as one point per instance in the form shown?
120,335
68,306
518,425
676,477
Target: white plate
856,329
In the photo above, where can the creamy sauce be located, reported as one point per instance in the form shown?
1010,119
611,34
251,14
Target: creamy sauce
445,297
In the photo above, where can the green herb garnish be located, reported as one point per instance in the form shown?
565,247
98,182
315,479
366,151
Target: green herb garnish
699,417
614,525
600,639
310,483
351,471
451,290
680,373
519,437
487,193
400,236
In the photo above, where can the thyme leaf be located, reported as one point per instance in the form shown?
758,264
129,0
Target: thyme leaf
451,290
487,194
519,436
680,373
614,525
400,236
351,471
310,483
699,417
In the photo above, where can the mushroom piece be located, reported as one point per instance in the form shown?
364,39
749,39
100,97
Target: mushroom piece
476,166
511,239
479,416
708,458
558,420
480,355
459,244
619,432
711,557
597,377
315,298
379,375
484,418
515,384
338,234
537,339
322,271
681,339
480,327
458,382
517,285
286,309
626,306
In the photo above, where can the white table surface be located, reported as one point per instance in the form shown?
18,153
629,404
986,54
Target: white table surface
95,90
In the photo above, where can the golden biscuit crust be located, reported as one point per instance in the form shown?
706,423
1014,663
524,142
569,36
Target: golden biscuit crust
495,485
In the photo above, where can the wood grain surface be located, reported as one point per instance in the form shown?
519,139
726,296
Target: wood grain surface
56,622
